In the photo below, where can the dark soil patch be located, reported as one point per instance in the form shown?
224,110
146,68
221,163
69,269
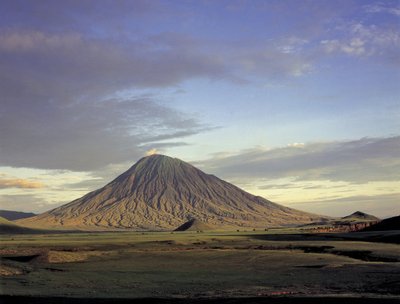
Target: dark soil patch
314,249
199,243
54,269
311,266
363,255
167,242
21,258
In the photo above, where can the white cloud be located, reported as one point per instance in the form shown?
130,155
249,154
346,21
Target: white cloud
381,7
296,145
354,46
291,45
362,40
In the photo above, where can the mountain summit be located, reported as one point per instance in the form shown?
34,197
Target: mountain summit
160,192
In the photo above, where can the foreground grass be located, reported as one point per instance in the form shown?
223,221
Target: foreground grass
218,264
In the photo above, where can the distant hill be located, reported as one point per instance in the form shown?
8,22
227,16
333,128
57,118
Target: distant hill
194,225
358,215
392,223
15,215
356,221
8,227
161,193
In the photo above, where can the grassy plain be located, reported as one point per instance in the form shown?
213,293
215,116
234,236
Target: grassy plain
277,263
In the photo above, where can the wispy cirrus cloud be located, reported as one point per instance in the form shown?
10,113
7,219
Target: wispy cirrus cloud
392,8
362,40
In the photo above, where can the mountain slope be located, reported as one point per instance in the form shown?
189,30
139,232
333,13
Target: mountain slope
15,215
8,227
161,192
392,223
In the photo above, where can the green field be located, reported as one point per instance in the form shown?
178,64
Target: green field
197,265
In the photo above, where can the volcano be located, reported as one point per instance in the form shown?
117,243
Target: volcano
162,193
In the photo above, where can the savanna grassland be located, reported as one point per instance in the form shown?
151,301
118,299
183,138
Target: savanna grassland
275,264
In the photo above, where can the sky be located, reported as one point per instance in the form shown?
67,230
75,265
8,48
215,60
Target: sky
295,101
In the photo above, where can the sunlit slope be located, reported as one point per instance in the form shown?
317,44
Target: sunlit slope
9,227
161,192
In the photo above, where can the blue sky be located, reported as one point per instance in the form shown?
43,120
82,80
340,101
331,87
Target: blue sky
89,87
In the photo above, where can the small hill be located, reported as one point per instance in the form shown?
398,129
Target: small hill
15,215
356,221
392,223
4,221
193,225
8,227
360,216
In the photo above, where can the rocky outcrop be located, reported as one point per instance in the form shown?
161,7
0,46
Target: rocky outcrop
342,227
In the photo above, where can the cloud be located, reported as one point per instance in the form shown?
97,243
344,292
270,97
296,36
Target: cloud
88,185
291,45
357,161
68,100
151,152
69,63
88,136
77,15
296,145
20,183
355,46
300,186
33,41
278,186
25,203
360,40
270,62
69,81
383,205
380,7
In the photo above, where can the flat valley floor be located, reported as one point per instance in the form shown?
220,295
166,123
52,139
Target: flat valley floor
278,266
